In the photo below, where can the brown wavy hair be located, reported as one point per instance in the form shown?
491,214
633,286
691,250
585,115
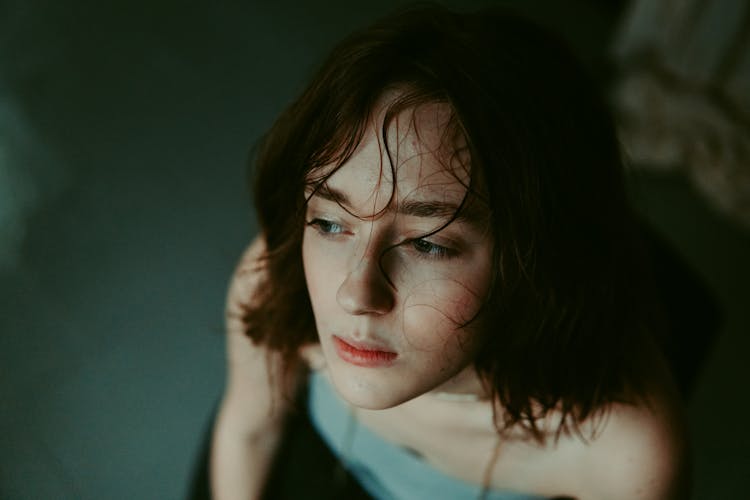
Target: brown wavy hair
569,316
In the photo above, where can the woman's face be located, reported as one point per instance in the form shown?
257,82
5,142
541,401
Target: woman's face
391,324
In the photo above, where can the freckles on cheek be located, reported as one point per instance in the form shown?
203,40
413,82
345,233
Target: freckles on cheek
431,318
321,275
311,263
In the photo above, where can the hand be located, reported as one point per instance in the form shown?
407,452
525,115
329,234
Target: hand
246,280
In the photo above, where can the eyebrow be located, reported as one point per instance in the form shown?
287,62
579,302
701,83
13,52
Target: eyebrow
413,208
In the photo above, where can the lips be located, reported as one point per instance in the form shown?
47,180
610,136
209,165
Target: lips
363,353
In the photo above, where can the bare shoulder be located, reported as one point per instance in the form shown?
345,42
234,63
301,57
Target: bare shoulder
638,452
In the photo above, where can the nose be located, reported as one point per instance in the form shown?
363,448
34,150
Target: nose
366,289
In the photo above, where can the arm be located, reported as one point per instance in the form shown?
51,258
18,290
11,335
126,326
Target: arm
250,420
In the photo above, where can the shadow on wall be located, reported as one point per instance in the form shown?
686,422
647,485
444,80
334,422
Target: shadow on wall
29,175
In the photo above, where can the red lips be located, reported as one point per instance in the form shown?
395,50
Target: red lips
362,354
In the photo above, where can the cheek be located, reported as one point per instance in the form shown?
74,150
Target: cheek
311,264
320,274
435,315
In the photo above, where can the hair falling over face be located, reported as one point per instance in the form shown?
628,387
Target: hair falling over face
520,182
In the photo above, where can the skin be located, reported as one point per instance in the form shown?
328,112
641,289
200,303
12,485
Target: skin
437,282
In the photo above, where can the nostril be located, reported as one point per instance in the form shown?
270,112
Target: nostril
365,291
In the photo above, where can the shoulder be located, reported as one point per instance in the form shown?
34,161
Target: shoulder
637,452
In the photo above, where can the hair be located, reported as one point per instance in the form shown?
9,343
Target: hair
567,320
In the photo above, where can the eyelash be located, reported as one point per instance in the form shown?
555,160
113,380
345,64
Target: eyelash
424,249
324,226
429,250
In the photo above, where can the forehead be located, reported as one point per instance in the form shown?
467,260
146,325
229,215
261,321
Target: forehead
419,155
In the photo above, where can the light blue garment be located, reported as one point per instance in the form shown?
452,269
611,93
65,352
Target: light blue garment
386,471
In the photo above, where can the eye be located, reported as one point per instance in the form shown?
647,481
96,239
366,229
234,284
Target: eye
431,250
326,227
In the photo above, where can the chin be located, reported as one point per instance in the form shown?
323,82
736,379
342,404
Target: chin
369,404
367,396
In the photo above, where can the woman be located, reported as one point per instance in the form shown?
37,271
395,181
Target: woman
449,272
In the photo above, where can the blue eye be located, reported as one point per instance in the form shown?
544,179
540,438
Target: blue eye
431,250
326,227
